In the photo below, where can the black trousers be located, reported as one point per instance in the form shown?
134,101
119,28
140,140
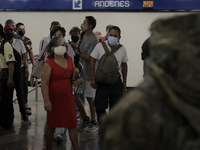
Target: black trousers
19,87
107,95
6,105
25,85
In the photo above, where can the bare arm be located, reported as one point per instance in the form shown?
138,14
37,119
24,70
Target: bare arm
83,56
31,55
24,60
45,79
92,68
10,82
78,81
124,74
25,63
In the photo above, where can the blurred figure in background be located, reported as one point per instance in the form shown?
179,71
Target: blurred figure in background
98,34
105,38
28,45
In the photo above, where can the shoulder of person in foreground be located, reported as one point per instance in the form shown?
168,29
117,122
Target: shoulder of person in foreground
126,123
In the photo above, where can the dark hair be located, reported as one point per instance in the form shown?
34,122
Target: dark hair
1,31
9,21
74,29
108,27
115,28
56,41
91,21
54,23
58,28
19,24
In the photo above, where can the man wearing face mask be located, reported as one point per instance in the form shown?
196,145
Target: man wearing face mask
75,33
46,39
20,50
75,38
7,84
11,22
87,45
109,93
28,45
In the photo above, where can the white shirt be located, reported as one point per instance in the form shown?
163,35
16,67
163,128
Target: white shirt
18,45
120,54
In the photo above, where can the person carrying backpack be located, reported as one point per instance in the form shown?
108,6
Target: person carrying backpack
106,79
7,69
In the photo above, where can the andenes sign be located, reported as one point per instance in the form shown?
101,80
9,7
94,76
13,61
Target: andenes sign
100,4
112,3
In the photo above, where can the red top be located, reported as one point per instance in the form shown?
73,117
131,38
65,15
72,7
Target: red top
60,94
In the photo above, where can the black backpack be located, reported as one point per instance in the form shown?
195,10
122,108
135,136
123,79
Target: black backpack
17,64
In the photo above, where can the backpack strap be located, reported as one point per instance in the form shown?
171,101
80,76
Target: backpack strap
105,47
2,47
113,50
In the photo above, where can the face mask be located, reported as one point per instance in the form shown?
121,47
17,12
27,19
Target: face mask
9,36
75,38
21,33
112,40
84,27
60,50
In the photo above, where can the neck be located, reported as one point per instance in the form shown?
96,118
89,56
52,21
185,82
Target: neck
76,42
11,41
88,32
59,57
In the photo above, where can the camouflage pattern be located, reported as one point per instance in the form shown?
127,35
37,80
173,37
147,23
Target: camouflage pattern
163,112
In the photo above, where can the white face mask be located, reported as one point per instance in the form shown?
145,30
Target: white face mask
84,27
60,50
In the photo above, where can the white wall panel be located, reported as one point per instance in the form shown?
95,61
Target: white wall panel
134,27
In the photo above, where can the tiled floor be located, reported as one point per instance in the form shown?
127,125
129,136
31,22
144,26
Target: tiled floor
30,135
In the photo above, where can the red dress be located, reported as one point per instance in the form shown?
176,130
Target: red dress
63,113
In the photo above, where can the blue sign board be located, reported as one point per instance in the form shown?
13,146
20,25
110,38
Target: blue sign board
176,5
100,4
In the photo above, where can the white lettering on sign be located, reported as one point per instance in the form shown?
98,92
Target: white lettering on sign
112,3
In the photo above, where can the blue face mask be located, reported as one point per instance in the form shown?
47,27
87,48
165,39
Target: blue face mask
112,40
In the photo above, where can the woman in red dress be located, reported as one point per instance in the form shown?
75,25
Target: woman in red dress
56,85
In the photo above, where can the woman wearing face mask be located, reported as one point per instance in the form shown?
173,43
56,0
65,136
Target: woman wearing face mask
57,92
56,31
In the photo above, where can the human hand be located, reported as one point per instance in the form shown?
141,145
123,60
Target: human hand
48,106
32,81
26,72
77,82
74,45
124,87
93,84
10,83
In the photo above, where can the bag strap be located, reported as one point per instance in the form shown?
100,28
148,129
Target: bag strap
105,47
113,50
44,53
2,47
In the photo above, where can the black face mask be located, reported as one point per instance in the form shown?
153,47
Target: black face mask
9,36
75,38
21,33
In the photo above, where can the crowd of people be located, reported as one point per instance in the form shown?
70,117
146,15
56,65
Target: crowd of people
68,76
14,71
